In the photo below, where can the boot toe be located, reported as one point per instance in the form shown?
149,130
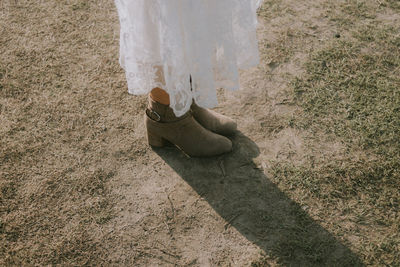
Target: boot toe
227,146
228,128
224,145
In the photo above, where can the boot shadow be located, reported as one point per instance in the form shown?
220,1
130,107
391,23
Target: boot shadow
248,201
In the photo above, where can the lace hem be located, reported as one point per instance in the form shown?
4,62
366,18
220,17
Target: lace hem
164,42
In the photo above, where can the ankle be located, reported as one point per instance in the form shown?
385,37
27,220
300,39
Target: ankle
160,96
161,112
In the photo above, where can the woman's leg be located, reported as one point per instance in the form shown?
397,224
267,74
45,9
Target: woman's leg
160,96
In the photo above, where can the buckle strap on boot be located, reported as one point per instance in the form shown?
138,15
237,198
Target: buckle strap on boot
162,113
153,115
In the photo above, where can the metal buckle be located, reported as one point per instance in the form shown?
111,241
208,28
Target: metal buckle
150,113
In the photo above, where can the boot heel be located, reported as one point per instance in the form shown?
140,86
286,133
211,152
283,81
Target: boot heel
155,140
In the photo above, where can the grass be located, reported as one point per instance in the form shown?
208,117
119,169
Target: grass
350,95
68,126
54,169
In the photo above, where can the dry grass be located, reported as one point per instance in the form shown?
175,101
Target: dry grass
60,90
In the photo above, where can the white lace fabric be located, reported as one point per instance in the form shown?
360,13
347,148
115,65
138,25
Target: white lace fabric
164,42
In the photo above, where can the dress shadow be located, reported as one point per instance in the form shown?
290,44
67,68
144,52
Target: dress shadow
247,200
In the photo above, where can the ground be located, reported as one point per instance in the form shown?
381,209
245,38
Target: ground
313,179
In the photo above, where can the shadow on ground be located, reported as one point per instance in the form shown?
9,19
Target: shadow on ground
251,203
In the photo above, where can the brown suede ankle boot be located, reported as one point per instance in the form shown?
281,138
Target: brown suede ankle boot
213,121
184,132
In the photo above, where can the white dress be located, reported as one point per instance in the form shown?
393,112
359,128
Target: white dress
164,42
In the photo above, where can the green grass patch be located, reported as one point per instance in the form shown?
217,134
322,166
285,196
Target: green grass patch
352,90
351,94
